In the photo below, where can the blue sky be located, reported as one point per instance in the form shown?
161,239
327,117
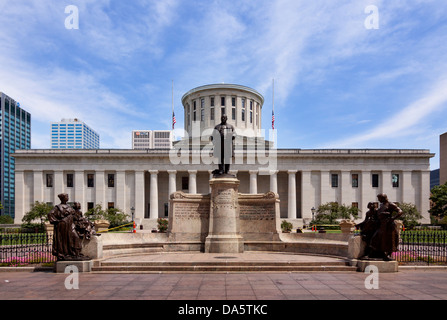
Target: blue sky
337,83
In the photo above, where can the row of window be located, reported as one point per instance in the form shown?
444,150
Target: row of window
90,180
395,179
244,112
374,180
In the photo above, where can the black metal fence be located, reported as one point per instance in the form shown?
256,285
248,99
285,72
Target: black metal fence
21,249
422,247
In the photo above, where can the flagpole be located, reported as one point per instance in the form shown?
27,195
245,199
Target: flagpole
273,113
273,104
172,115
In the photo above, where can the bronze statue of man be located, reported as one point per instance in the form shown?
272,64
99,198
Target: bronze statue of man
386,238
223,136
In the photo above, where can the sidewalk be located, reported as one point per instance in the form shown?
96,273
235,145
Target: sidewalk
404,285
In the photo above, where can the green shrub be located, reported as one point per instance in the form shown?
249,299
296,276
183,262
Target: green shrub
162,224
286,226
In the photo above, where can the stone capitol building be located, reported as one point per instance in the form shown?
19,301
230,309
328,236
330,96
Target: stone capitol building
144,179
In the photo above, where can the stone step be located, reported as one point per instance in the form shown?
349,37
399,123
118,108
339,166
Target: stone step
220,263
157,267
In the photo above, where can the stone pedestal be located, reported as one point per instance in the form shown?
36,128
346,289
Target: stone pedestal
382,266
347,226
101,225
356,247
93,248
74,266
224,225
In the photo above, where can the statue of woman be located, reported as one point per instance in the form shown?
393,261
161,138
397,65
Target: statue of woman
66,242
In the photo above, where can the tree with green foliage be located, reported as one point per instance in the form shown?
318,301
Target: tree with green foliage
328,213
411,215
439,201
115,216
39,211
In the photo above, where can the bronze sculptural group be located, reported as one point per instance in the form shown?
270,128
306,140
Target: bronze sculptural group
70,228
379,230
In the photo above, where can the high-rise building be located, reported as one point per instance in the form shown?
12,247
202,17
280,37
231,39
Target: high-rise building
73,134
151,139
15,133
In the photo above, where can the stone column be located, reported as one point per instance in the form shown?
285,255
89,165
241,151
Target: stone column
224,225
307,195
292,194
274,181
324,186
172,182
386,184
100,190
154,194
253,181
58,186
38,186
139,195
345,185
19,196
192,181
365,186
120,188
407,188
211,177
79,187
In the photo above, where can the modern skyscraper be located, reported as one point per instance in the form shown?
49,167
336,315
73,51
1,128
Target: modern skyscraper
15,133
73,134
151,139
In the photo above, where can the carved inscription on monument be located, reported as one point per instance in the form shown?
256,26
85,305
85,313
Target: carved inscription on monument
192,211
224,196
255,211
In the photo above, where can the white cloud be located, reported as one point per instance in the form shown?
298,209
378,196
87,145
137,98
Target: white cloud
405,122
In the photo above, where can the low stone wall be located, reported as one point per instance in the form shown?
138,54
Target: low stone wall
258,217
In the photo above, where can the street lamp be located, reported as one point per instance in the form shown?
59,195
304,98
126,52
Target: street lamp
132,210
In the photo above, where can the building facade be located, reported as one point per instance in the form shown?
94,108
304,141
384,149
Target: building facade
151,139
15,133
145,179
73,134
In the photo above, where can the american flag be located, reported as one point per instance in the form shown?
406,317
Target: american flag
173,120
273,120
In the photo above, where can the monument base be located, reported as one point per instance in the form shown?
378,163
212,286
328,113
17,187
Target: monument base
79,266
224,244
224,231
382,266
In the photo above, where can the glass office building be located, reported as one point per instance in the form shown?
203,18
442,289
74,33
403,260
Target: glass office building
15,133
73,134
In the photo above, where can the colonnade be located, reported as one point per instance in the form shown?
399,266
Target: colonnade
305,188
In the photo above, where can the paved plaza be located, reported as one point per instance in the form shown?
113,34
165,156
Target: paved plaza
407,284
